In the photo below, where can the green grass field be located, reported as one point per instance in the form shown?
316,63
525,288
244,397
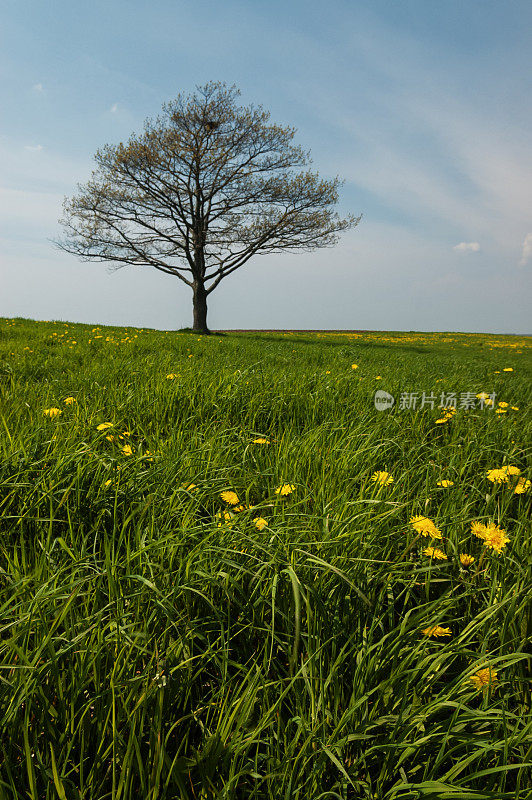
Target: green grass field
159,641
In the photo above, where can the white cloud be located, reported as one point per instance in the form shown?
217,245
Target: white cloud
38,87
33,148
526,255
114,108
472,247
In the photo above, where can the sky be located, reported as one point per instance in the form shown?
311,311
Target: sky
421,108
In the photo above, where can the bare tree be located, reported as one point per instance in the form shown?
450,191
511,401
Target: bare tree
203,189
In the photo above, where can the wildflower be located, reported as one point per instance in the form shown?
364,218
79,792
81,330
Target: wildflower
110,438
478,529
433,552
127,451
508,369
103,426
108,483
511,470
52,412
466,560
495,538
488,402
261,441
502,404
377,377
285,489
224,518
437,630
241,507
514,408
522,486
483,678
482,396
442,420
171,376
425,526
382,478
69,400
501,411
260,523
354,366
230,497
496,475
190,487
445,483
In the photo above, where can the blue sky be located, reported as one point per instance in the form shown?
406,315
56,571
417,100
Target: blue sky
423,108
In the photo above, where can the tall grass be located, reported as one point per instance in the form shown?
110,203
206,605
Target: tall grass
152,647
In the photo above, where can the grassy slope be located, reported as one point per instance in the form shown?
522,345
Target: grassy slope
148,651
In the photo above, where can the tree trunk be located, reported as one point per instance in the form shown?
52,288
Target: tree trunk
200,309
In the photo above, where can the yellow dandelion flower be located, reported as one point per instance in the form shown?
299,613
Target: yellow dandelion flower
108,483
171,376
285,489
241,507
508,369
110,438
354,366
425,526
103,426
488,402
190,487
69,400
437,630
483,678
496,475
502,404
478,529
441,420
522,486
52,412
482,396
466,560
433,552
495,538
445,483
514,408
224,518
511,470
127,451
260,523
382,478
261,441
501,411
230,497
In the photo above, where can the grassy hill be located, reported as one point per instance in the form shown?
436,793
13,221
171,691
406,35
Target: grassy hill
225,574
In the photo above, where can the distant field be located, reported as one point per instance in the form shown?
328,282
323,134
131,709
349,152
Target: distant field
225,574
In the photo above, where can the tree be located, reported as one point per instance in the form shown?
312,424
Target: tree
197,194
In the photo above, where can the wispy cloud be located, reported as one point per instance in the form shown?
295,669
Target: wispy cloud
526,254
33,148
114,108
468,247
38,87
434,155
